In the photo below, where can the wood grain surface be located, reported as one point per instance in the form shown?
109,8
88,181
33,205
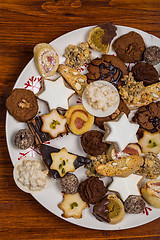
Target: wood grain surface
22,25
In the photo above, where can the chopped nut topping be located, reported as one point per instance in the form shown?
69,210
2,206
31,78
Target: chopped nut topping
24,104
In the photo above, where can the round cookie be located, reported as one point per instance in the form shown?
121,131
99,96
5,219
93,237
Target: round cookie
134,204
92,144
129,47
24,139
99,38
69,183
146,73
109,68
92,190
152,55
148,117
99,121
22,104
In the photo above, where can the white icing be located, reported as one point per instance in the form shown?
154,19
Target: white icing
56,93
125,186
122,132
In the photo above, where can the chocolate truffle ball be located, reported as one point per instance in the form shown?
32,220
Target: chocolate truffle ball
69,183
134,204
24,139
152,55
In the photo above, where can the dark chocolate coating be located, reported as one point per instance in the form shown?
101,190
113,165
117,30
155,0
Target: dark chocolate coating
35,127
100,210
46,151
109,32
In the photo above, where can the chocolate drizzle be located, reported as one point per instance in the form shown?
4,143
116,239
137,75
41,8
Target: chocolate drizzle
111,72
35,127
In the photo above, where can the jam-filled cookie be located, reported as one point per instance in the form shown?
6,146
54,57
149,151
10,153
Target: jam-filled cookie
46,59
22,104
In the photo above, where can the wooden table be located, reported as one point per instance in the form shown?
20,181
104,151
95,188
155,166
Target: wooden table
22,25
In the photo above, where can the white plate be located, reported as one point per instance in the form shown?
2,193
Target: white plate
51,196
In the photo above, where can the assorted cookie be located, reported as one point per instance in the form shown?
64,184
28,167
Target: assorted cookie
125,150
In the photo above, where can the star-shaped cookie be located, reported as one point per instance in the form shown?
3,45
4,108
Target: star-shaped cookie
56,94
121,132
125,186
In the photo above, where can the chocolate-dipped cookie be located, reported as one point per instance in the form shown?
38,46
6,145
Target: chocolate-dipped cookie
46,151
92,190
108,68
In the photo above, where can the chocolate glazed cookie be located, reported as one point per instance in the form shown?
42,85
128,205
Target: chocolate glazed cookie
148,117
108,68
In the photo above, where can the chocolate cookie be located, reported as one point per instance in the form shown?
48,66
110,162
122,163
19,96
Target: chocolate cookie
152,55
148,117
92,190
108,68
129,47
134,204
92,144
22,104
146,73
99,121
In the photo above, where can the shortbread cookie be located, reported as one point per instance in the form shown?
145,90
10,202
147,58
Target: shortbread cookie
150,142
122,167
22,104
151,193
46,59
56,94
72,205
130,47
35,127
78,119
54,124
76,80
63,162
110,209
92,190
46,152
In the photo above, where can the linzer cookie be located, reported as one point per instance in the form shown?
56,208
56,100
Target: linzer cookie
46,59
109,68
22,104
76,80
129,47
35,127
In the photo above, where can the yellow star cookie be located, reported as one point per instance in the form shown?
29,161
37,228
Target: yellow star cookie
53,123
72,205
63,162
